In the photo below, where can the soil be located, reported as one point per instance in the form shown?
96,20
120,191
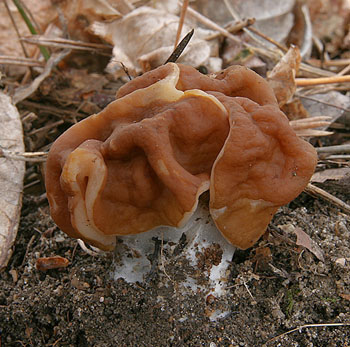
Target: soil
274,287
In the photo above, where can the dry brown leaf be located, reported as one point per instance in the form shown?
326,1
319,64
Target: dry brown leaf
332,104
294,109
331,174
282,77
11,177
145,38
80,14
273,17
345,296
305,241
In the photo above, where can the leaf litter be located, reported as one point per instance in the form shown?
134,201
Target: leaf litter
182,298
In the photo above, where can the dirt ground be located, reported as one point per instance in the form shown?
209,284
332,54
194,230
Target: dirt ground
277,293
270,292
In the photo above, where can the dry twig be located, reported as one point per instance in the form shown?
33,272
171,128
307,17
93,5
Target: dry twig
318,192
307,326
306,82
34,157
65,43
181,21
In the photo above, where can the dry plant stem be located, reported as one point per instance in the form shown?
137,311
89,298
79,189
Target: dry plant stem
303,82
16,29
344,71
303,67
318,192
337,157
210,24
312,133
269,39
296,125
334,149
51,109
308,326
81,243
46,127
11,60
233,29
331,63
315,70
27,250
26,156
181,21
250,30
322,102
65,43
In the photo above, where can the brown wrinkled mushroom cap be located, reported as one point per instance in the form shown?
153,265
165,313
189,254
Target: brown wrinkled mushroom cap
170,135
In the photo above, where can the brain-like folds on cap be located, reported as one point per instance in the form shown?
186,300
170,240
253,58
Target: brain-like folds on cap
170,135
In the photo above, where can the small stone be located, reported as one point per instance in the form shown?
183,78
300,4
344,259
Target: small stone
341,261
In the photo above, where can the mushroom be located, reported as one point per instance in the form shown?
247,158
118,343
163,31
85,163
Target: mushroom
170,135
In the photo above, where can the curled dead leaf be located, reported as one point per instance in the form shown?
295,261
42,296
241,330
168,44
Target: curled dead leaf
305,241
144,38
282,77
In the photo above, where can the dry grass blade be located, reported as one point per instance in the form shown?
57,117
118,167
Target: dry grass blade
269,39
310,123
25,156
212,25
65,43
313,133
322,102
334,149
10,60
234,28
306,127
308,326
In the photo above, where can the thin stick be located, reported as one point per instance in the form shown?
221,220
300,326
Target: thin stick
334,149
318,192
34,157
249,292
254,30
308,326
337,156
305,82
322,102
181,21
10,60
344,71
304,125
267,38
65,43
210,24
234,28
